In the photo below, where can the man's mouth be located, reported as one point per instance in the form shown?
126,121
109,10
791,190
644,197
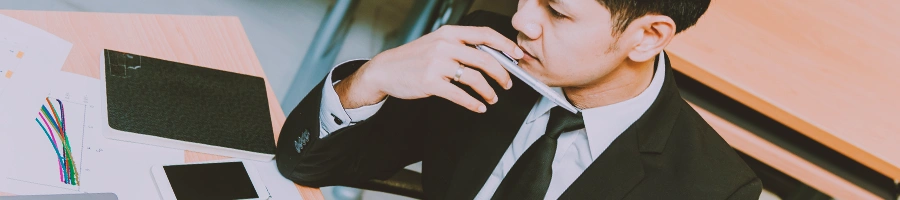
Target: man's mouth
528,55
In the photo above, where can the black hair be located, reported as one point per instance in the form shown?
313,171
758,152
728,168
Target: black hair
685,13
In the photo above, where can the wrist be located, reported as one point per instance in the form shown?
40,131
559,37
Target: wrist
358,90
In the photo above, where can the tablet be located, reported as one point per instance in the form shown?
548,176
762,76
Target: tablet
216,180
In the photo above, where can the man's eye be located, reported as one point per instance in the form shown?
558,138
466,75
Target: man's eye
555,13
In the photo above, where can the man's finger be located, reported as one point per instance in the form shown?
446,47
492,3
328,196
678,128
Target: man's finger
482,61
476,81
458,96
487,36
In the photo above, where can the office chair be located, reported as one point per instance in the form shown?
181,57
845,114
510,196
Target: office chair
405,183
423,17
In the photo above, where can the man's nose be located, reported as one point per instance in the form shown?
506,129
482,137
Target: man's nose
527,18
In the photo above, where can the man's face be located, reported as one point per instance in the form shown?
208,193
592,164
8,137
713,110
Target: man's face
568,43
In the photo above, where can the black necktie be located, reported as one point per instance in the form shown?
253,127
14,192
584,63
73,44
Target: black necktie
530,177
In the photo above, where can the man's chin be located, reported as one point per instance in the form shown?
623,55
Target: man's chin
538,73
553,83
532,67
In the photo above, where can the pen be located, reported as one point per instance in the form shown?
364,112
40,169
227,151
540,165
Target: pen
512,66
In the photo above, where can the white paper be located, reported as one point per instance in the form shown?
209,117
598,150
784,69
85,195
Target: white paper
102,165
28,49
278,186
127,169
25,49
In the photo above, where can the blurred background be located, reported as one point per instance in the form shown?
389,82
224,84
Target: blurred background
804,90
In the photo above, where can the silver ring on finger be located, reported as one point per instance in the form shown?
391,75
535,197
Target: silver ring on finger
459,73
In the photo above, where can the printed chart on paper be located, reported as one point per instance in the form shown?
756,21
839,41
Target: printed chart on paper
51,152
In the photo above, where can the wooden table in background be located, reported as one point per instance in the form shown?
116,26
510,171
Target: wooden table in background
211,41
827,69
783,160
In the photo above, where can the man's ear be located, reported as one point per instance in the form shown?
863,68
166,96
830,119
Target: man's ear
651,34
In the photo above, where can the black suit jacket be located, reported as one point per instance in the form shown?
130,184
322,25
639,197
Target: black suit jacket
669,153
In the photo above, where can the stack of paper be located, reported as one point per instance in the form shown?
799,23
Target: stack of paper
57,145
24,50
51,123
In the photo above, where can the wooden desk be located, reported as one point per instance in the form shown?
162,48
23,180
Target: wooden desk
783,160
827,69
215,42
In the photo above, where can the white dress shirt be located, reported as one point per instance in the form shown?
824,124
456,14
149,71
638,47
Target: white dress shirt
575,150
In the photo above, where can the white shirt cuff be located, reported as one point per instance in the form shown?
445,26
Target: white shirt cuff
333,116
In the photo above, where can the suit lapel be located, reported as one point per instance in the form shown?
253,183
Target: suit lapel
495,132
613,174
619,168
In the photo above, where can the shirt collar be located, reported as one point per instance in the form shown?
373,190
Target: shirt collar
604,124
542,107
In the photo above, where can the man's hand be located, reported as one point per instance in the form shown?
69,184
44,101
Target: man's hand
425,67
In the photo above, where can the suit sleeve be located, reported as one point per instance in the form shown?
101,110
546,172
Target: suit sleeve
332,114
368,148
750,190
375,148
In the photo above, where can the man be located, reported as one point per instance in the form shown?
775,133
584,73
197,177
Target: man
482,134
